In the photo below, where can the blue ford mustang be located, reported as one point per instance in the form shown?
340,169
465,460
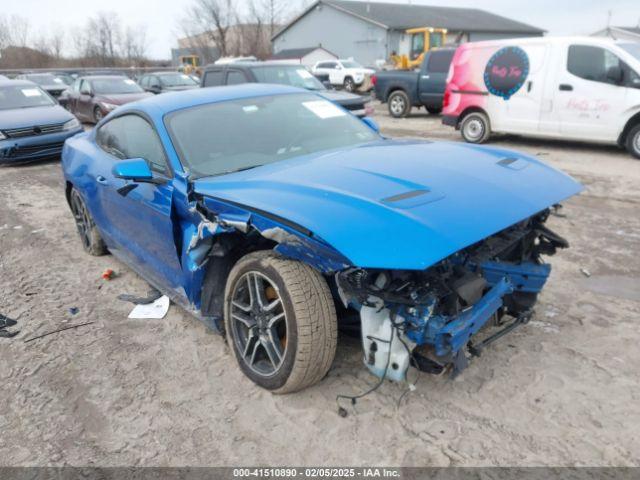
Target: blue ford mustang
32,124
273,215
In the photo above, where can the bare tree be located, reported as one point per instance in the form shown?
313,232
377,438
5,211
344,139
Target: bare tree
19,30
214,17
56,41
274,12
134,44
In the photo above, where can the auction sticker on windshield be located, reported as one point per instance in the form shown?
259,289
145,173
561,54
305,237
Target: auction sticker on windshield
324,109
31,92
304,73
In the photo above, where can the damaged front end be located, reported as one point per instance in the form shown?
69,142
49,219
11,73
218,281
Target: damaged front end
428,318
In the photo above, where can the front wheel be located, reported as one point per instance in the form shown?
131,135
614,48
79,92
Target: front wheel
475,127
91,240
633,141
280,322
97,114
399,104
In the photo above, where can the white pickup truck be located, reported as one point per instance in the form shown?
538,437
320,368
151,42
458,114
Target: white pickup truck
345,73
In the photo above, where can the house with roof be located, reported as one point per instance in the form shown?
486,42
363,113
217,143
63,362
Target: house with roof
370,31
308,56
620,33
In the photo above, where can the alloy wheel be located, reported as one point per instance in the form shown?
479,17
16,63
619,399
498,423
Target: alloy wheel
474,129
397,105
81,217
258,320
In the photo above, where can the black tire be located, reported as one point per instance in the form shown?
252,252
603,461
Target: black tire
399,104
349,85
89,236
434,110
302,342
97,114
633,141
475,127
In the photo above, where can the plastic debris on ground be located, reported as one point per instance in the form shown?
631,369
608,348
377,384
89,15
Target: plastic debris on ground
7,322
156,310
108,274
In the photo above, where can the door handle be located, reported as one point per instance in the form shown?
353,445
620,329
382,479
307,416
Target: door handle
426,77
566,87
529,85
102,180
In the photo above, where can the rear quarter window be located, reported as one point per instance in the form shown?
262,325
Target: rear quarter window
439,61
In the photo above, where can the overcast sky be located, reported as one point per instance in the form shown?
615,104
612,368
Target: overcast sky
559,17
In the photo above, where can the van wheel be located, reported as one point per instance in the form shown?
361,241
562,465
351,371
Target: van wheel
399,104
633,141
280,322
475,128
89,235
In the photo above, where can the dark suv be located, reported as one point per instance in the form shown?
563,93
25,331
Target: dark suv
294,75
161,82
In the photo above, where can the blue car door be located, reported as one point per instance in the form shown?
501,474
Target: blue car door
137,216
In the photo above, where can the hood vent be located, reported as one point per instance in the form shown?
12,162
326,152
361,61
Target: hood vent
513,163
412,198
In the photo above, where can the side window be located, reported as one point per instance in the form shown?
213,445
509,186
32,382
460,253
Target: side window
76,86
235,77
144,82
592,63
439,61
213,78
131,136
85,87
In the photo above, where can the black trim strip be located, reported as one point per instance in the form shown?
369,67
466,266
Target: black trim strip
405,196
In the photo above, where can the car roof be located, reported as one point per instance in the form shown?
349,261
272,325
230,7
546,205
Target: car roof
16,83
101,77
170,102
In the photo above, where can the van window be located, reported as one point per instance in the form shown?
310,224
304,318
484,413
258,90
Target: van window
592,63
213,78
439,61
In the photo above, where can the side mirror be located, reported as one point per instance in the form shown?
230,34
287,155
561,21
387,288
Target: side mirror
372,124
327,84
135,169
615,75
155,88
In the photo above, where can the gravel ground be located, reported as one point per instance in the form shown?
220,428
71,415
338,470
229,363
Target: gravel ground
562,390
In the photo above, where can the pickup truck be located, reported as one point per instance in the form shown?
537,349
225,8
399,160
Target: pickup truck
401,90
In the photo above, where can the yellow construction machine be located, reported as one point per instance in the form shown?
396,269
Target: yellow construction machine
422,40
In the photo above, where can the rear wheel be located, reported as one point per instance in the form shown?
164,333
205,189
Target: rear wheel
349,85
280,322
89,236
434,110
633,141
475,127
399,104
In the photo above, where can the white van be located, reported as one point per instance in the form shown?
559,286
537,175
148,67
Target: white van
579,88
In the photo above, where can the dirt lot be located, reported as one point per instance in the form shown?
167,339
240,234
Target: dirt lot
562,390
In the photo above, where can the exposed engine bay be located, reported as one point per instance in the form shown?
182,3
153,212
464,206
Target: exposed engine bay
427,318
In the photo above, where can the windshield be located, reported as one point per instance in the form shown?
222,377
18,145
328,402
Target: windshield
45,79
294,76
632,48
350,64
115,85
236,135
23,96
176,80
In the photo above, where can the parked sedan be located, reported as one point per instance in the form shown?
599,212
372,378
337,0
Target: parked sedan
91,98
161,82
32,125
49,82
265,209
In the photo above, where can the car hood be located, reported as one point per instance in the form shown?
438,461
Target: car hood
54,87
28,117
343,98
122,98
399,204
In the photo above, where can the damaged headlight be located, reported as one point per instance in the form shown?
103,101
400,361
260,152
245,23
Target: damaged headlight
70,125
